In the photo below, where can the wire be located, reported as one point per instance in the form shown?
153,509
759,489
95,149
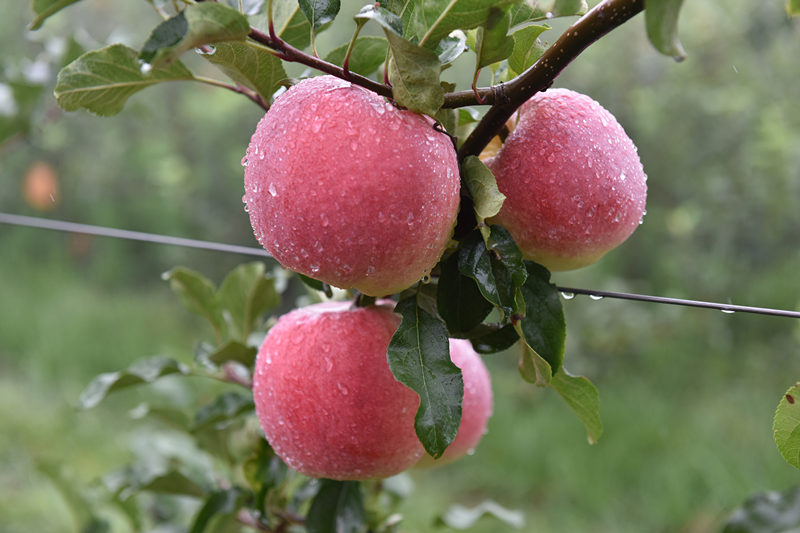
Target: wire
567,292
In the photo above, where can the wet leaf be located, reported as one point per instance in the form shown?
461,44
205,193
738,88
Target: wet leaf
389,21
368,54
486,197
543,326
289,22
246,294
250,65
224,407
414,73
459,301
451,47
319,13
338,507
198,295
495,339
582,397
196,25
492,42
661,20
435,19
140,373
101,81
419,357
527,48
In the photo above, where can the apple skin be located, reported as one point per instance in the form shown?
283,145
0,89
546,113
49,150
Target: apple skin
476,407
343,187
326,398
574,185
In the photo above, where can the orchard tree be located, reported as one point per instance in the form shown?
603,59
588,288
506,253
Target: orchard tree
432,216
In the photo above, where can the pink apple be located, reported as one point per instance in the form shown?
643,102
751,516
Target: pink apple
476,407
345,188
326,398
574,185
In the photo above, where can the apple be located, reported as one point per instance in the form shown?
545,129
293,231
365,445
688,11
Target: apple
574,185
326,398
476,407
344,187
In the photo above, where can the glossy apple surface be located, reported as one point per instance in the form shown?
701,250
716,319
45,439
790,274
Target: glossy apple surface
574,185
345,188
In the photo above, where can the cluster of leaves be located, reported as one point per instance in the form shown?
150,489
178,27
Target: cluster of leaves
222,474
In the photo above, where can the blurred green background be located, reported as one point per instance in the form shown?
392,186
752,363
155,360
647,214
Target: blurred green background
687,395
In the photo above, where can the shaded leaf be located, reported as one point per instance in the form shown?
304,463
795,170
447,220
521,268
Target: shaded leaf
527,48
316,284
661,20
581,395
543,325
198,295
495,340
174,482
414,74
486,197
45,8
419,357
786,426
767,512
222,502
319,12
492,42
246,293
338,507
224,407
532,367
459,301
103,80
369,53
196,25
230,351
250,65
140,373
460,517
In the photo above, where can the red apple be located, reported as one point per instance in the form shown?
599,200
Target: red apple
574,185
476,407
345,188
326,398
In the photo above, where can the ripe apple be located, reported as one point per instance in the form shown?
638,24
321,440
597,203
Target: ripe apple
574,185
345,188
326,398
476,407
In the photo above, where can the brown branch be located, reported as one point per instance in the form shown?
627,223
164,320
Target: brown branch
506,98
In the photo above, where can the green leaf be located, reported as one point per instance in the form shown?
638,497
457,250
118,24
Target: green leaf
496,265
793,7
68,489
319,12
289,22
245,294
196,25
532,367
661,20
419,357
385,18
459,301
45,8
546,9
338,507
369,53
173,482
486,197
198,295
26,97
316,284
460,517
435,19
543,325
250,65
492,42
142,372
451,47
786,426
527,48
767,512
414,73
230,351
103,80
494,339
581,395
221,502
224,407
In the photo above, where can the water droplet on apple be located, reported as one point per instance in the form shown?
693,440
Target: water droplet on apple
272,190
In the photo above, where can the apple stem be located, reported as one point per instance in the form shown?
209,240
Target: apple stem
363,300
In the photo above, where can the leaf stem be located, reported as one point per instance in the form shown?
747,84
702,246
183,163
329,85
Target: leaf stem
252,95
346,62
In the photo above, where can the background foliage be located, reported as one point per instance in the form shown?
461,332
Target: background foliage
687,396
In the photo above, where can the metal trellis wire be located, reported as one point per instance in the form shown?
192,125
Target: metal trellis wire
568,292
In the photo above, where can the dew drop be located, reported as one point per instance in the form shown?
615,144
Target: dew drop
342,389
728,311
328,364
206,50
314,268
567,295
244,161
272,190
145,68
595,297
324,220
